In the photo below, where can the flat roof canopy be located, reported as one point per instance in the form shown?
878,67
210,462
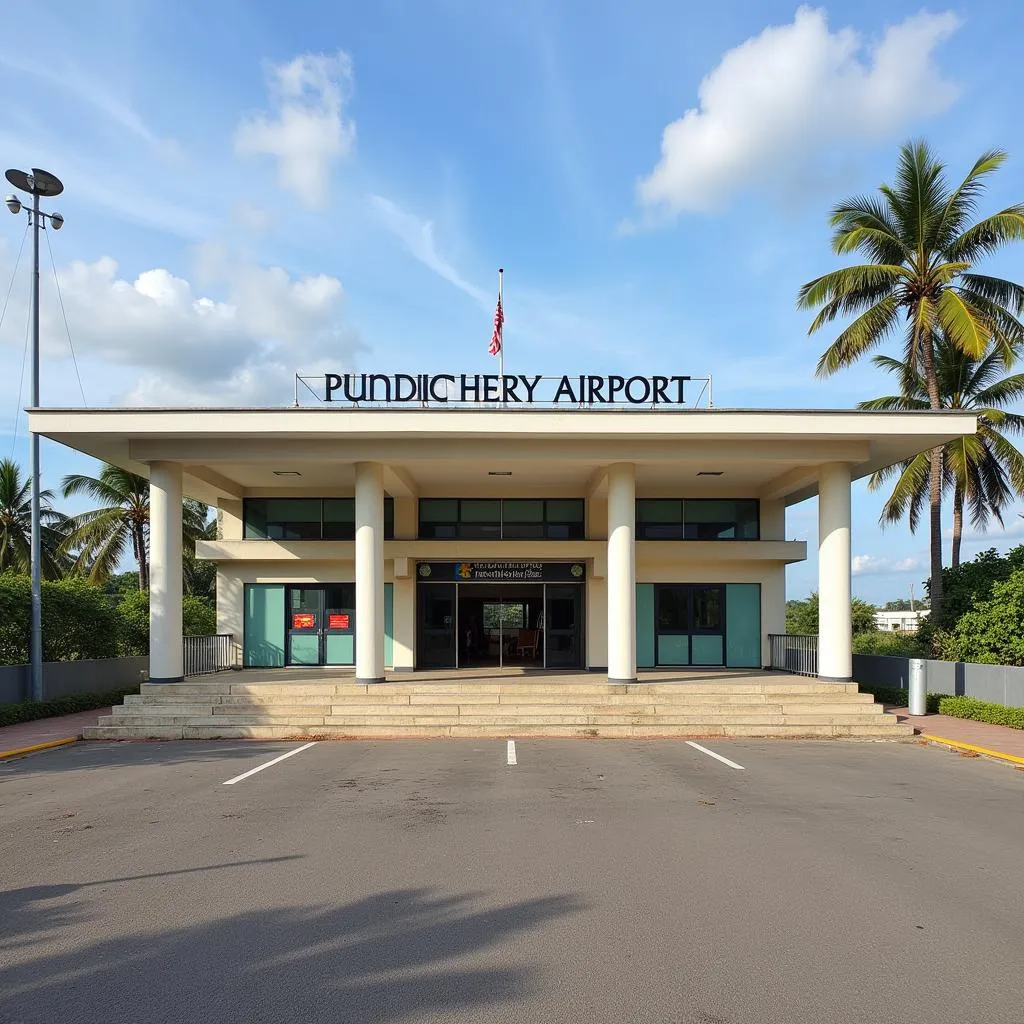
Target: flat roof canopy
767,453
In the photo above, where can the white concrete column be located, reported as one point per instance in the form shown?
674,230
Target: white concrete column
369,572
835,625
621,573
165,632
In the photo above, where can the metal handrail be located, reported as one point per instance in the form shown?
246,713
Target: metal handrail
794,652
204,655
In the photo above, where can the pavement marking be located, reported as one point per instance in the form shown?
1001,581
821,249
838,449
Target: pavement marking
18,751
512,752
958,745
267,764
717,757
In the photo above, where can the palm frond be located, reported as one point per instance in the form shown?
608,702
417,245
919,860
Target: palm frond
868,331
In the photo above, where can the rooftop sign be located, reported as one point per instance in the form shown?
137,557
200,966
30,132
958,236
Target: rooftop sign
509,390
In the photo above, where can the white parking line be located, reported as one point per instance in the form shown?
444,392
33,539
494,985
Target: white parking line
267,764
512,752
717,757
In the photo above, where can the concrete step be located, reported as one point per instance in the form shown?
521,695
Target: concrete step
512,722
108,732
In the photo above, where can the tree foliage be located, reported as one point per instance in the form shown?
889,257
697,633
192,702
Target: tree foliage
984,471
973,582
16,526
993,631
921,241
79,621
802,616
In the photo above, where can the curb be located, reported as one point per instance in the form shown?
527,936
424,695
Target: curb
18,751
957,745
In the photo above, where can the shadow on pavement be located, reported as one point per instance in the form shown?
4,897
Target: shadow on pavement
395,955
88,754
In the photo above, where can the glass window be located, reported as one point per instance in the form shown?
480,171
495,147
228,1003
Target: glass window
522,510
282,519
339,518
697,519
307,518
480,510
659,519
672,611
707,609
721,519
439,510
657,510
564,510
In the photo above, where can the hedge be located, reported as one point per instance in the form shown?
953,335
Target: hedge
78,620
982,711
899,698
30,710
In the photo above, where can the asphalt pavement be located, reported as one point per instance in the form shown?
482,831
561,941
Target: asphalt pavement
596,881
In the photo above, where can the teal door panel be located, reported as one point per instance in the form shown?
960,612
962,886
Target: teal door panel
304,649
339,649
706,649
674,648
645,625
743,630
389,625
263,625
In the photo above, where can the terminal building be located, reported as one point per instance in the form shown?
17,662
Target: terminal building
432,535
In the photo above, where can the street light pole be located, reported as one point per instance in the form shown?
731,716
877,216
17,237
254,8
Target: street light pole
38,183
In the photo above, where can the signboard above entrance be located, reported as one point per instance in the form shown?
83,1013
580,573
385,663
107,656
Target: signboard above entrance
501,572
508,390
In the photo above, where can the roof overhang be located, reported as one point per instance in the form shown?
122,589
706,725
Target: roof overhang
775,454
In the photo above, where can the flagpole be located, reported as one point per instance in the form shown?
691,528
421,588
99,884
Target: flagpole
501,351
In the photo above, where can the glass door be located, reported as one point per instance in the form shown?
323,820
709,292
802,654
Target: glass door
672,625
339,624
305,611
436,633
562,637
707,624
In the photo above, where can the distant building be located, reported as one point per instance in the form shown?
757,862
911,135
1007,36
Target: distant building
900,622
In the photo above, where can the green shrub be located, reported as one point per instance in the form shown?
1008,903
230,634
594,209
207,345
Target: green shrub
78,620
197,619
133,624
899,698
982,711
892,644
992,632
30,710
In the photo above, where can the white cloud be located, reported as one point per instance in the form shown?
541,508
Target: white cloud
306,130
417,235
776,101
872,565
155,340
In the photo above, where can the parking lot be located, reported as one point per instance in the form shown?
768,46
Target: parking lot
436,881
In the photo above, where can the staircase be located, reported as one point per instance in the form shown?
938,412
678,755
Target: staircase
759,705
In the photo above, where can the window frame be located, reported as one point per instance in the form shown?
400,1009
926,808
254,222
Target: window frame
389,518
640,527
546,525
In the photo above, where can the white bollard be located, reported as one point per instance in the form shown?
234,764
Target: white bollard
916,683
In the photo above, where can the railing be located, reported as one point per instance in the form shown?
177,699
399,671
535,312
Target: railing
794,652
204,655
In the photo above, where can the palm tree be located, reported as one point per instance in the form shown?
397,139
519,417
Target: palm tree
921,247
984,470
16,526
102,534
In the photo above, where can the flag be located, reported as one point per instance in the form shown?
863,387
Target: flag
499,318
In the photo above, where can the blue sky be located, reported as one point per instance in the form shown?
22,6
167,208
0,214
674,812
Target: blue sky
251,191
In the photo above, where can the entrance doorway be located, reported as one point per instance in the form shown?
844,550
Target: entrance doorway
501,624
529,625
689,624
320,625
